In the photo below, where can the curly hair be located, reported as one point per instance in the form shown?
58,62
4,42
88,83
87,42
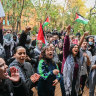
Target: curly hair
43,52
43,55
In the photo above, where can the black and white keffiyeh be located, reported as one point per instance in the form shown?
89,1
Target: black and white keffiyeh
68,72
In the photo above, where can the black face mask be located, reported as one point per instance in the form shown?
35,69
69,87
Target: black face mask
91,46
83,50
15,40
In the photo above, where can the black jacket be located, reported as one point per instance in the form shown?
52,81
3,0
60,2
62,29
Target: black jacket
92,49
7,87
22,39
25,71
1,37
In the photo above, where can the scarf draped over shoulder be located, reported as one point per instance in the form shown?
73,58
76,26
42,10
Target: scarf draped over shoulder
68,72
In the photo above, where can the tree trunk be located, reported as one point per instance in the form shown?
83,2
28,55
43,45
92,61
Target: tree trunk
19,22
5,19
13,18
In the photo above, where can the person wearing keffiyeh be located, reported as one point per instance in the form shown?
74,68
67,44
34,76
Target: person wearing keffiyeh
71,65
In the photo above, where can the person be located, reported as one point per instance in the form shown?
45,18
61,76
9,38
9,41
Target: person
25,41
91,46
15,42
59,51
1,34
92,77
25,70
72,62
48,71
55,57
8,43
38,47
55,42
78,34
10,84
2,50
37,52
86,63
24,36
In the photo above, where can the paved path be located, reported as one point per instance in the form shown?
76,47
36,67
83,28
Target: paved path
58,91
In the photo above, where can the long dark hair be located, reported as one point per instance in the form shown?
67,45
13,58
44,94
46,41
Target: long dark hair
71,47
17,49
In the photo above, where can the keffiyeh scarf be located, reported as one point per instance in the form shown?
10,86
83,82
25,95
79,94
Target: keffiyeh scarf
68,72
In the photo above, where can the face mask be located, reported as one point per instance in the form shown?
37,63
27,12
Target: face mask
14,40
90,43
28,45
83,49
8,37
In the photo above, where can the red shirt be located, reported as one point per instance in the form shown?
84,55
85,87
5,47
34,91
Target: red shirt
76,70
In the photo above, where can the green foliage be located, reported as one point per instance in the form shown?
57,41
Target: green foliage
92,26
60,16
34,30
15,9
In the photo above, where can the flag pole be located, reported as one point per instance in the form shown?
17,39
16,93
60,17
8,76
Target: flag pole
84,28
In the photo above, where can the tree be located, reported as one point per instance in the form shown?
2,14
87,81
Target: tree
15,9
60,16
72,7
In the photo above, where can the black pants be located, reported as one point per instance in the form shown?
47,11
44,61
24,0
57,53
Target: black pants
73,92
83,80
7,52
62,86
45,89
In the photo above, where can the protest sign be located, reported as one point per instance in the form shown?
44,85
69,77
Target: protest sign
2,14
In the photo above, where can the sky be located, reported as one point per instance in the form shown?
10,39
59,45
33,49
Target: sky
89,3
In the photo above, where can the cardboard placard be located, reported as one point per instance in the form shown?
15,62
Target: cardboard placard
2,14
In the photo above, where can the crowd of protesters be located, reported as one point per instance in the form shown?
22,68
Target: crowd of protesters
66,58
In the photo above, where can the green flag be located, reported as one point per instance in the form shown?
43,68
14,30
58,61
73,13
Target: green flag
81,19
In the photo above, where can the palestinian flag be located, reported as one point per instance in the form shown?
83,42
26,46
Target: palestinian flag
46,22
41,34
81,19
